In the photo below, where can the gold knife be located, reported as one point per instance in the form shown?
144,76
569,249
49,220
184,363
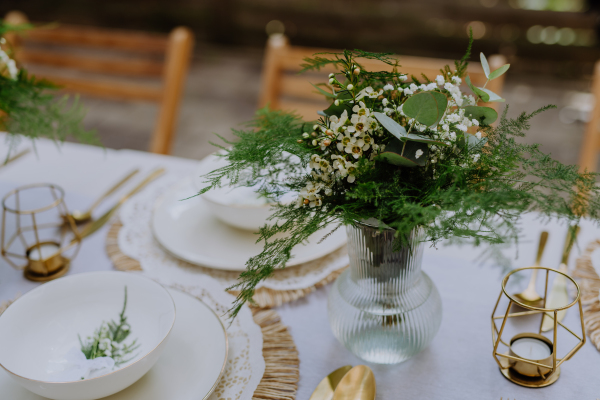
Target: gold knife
357,384
98,223
15,157
558,294
325,389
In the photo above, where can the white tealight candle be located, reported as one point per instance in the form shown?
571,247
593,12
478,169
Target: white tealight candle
44,251
531,349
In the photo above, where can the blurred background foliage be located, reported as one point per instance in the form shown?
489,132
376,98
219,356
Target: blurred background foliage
555,37
552,46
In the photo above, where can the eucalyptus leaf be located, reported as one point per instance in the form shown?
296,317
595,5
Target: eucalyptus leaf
485,115
485,65
324,93
471,141
424,139
404,154
499,71
493,96
478,91
392,126
426,107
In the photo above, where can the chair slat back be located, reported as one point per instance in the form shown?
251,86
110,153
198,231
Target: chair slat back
282,87
96,61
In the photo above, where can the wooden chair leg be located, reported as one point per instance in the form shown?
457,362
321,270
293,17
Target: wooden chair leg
588,158
181,42
12,39
271,70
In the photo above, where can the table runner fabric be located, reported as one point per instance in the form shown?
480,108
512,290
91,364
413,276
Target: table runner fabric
457,364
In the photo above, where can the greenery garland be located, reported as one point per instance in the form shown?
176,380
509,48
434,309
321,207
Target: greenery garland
29,107
403,152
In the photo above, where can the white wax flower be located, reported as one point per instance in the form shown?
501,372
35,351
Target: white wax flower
73,366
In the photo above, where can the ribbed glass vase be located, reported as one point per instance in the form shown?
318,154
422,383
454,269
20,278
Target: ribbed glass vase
383,308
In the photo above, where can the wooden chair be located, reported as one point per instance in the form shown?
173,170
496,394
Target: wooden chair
155,66
282,88
588,158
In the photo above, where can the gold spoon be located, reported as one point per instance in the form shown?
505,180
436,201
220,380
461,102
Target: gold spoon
357,384
530,296
559,296
325,388
84,216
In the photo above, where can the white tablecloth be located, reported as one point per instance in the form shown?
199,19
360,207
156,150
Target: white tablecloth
457,365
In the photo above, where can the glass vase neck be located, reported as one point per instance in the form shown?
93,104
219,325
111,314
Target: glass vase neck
376,260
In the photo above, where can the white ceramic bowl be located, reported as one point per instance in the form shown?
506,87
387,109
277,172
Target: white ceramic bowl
242,216
43,325
240,207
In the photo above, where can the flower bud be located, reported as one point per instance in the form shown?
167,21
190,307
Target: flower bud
329,132
326,142
305,135
337,102
300,141
314,134
356,71
350,87
315,127
314,142
306,201
331,80
331,75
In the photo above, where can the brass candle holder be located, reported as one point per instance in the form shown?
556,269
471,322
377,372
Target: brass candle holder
38,234
531,359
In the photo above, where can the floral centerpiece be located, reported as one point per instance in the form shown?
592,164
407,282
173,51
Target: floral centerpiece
398,160
29,107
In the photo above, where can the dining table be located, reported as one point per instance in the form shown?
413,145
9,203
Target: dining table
458,364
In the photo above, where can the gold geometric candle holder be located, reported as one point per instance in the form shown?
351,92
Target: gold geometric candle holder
531,358
38,234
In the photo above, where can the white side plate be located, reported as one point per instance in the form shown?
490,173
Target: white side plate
188,230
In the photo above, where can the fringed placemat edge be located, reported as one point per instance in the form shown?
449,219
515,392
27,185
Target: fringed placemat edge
589,284
280,380
263,297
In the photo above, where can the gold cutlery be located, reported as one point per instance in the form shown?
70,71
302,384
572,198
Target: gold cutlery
357,384
97,224
558,296
530,296
325,389
15,157
84,216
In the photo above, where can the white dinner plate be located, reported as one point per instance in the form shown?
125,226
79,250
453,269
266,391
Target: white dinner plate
188,230
190,367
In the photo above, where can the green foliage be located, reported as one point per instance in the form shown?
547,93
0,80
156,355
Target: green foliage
108,339
462,64
475,192
29,109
